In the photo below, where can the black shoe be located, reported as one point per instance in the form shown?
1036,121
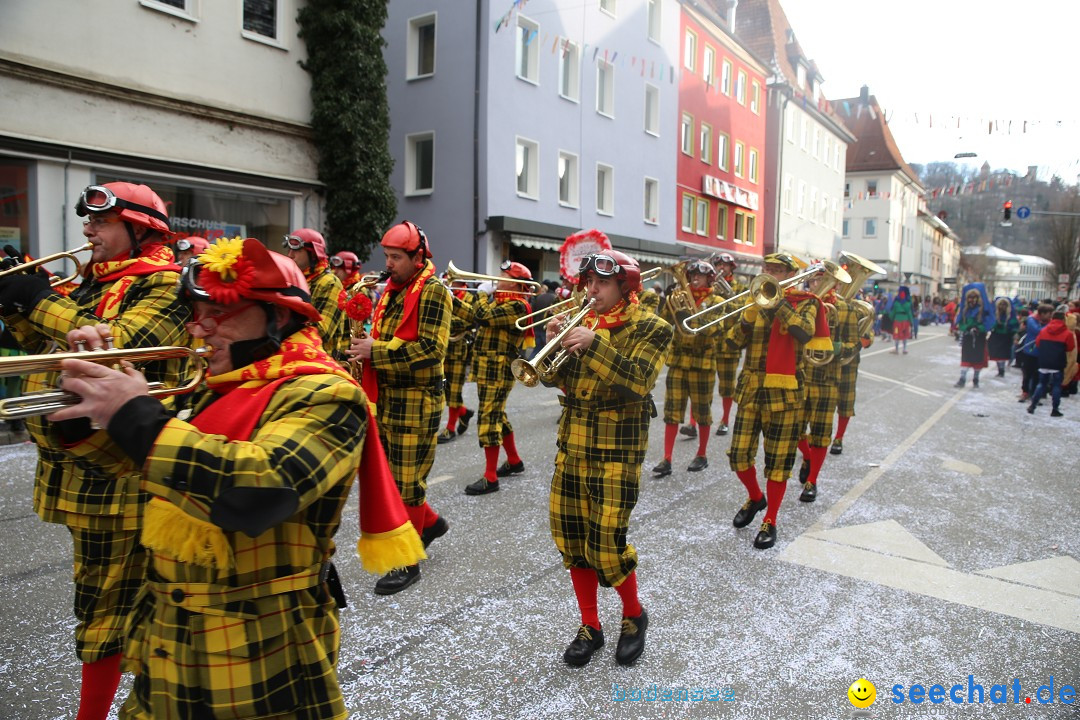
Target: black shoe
482,487
722,429
809,492
837,447
1031,409
804,471
662,469
959,383
463,421
632,638
436,531
766,536
746,513
445,436
975,382
397,580
698,464
580,651
689,431
1056,413
506,469
1001,372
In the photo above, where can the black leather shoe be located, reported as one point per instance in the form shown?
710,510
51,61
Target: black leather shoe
746,513
959,383
975,382
698,464
689,431
766,536
463,421
722,429
445,436
1056,413
580,651
837,447
1031,409
397,580
632,638
804,470
506,469
662,469
482,487
436,531
809,492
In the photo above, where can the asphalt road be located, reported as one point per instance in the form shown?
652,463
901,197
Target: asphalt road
942,550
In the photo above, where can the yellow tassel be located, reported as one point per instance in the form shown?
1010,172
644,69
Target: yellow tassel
170,531
820,343
382,552
788,382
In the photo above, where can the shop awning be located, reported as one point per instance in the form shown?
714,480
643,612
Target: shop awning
539,243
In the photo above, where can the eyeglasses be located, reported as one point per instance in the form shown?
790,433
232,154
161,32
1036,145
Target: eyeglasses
603,265
209,323
100,221
292,242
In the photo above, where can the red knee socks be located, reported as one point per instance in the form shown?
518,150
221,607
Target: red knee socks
775,494
454,413
585,585
702,443
491,462
727,408
748,477
804,447
416,516
841,426
670,431
508,443
627,590
817,459
99,682
430,516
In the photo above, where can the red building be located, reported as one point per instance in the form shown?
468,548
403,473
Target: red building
721,162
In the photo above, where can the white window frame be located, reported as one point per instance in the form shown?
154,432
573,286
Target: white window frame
573,174
569,58
749,228
685,224
705,142
739,233
752,165
608,7
723,151
740,87
605,202
654,19
529,52
869,227
787,199
532,177
652,102
721,220
189,12
686,134
813,205
845,229
800,205
651,201
411,175
701,216
870,193
275,41
755,97
412,60
725,76
605,69
737,162
708,65
690,50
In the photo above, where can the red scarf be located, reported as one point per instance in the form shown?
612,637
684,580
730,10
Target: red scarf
615,317
408,330
504,296
123,270
313,272
700,294
782,357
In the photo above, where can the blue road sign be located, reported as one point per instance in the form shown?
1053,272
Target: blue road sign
1023,212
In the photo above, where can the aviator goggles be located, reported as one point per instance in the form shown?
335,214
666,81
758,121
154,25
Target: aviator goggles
292,242
335,261
99,199
701,267
184,244
602,265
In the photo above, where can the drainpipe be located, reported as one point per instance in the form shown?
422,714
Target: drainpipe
476,142
779,178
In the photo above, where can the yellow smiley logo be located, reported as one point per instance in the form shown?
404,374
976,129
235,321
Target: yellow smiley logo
862,693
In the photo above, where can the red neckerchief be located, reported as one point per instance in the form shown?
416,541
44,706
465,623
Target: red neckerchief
408,329
615,317
313,272
504,296
123,270
700,294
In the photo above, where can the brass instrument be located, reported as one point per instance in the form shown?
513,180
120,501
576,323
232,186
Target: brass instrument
366,282
49,401
651,274
680,301
33,265
722,287
859,268
832,275
545,315
551,357
453,274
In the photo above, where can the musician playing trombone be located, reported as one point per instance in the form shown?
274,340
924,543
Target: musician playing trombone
615,357
727,360
82,481
456,363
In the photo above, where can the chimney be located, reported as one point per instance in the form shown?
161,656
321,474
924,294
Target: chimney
864,95
731,14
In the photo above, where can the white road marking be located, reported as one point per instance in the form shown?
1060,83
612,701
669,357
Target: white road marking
1060,574
887,537
888,346
961,466
910,388
438,479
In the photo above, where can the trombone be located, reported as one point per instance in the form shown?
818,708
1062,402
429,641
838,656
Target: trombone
551,357
54,281
453,274
49,401
544,315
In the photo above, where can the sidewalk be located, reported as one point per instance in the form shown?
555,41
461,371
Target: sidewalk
7,437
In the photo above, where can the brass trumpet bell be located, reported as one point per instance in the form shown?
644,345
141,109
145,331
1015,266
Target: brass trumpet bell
33,265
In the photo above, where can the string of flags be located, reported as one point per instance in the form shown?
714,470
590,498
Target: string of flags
504,20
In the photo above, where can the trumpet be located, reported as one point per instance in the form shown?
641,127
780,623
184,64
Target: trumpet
551,357
33,265
453,274
49,401
545,315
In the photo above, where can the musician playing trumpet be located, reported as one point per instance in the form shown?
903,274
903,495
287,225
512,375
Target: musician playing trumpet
727,360
615,357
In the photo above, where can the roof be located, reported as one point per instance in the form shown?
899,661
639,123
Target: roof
875,150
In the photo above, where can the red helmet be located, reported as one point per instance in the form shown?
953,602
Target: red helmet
137,204
407,236
307,238
347,260
609,263
726,258
516,270
701,267
194,243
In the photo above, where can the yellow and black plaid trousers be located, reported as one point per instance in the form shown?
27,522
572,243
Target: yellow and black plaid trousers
781,431
818,413
459,351
691,367
498,343
822,382
845,396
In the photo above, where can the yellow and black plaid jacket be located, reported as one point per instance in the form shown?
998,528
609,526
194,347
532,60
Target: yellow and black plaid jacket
722,347
496,334
461,326
751,391
413,364
325,290
607,403
695,351
650,300
845,338
83,480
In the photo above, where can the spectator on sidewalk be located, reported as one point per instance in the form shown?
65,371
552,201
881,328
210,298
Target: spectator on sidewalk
1057,352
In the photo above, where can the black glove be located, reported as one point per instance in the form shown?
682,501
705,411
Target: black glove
22,291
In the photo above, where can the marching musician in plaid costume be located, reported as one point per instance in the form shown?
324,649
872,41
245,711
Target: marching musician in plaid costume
603,435
822,394
346,266
498,343
456,364
307,248
239,613
129,283
771,392
845,390
691,369
727,359
403,365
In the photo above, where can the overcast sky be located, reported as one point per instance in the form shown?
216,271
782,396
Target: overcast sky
935,63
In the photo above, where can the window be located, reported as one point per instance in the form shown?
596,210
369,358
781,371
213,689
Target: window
652,201
708,66
686,137
527,168
652,109
751,229
701,218
421,47
824,215
787,193
740,226
605,89
705,145
738,159
752,174
740,88
570,70
608,6
845,230
871,188
805,132
420,163
817,141
688,213
568,179
605,189
789,126
722,151
261,18
847,189
179,8
800,207
725,77
870,227
813,209
528,50
690,50
721,221
654,20
755,95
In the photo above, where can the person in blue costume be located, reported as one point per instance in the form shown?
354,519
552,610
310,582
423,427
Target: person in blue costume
973,322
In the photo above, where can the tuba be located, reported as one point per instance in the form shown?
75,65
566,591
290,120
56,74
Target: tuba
859,268
680,301
551,357
832,276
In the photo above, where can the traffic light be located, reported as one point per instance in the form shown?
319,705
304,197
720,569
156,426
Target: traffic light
1007,210
875,287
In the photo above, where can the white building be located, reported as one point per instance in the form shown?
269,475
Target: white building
1028,277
